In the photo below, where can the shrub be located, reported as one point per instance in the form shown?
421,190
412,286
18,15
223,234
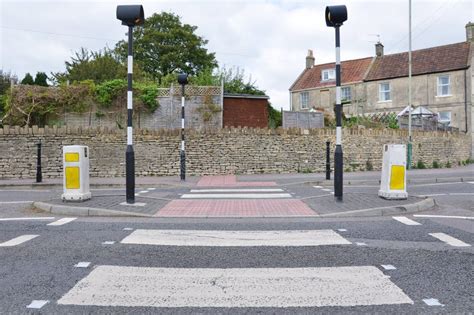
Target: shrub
369,166
420,165
448,164
436,164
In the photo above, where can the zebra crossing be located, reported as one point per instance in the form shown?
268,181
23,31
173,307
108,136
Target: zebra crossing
145,286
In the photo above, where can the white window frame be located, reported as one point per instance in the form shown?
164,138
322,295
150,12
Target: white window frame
445,120
440,86
346,88
383,93
330,75
304,100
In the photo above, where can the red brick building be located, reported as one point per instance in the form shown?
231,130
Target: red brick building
242,110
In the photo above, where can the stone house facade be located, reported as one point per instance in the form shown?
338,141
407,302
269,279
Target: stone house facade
442,81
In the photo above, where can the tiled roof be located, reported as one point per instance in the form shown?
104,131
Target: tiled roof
351,71
430,60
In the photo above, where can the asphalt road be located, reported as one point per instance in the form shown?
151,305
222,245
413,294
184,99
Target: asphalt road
344,272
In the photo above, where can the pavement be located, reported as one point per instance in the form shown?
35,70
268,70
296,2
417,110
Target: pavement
278,195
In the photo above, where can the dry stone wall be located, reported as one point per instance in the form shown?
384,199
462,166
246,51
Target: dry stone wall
224,151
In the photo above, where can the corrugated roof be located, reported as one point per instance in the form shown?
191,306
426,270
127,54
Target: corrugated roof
429,60
351,71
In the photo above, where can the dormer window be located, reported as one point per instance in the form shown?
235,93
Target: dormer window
328,75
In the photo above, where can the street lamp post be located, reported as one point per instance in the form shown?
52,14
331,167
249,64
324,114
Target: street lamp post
130,15
335,16
183,80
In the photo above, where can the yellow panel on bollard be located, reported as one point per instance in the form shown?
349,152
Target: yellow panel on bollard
76,173
73,180
397,177
71,157
393,181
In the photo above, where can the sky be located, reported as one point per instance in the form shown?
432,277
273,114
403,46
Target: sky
269,40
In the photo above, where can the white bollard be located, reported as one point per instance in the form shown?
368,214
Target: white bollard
76,173
393,182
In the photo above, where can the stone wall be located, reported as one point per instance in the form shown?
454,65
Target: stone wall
223,151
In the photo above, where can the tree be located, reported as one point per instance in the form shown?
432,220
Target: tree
41,79
88,65
28,79
164,46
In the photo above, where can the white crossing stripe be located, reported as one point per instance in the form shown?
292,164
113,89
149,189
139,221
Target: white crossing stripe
235,196
432,302
406,221
235,287
443,216
37,304
15,202
318,186
151,188
342,230
128,229
388,267
108,243
326,189
18,240
237,190
361,244
62,221
143,192
136,204
235,238
449,240
82,264
27,219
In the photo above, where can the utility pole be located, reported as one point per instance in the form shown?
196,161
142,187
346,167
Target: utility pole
409,146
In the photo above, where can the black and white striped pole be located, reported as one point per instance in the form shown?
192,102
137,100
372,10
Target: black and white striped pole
183,80
130,15
335,17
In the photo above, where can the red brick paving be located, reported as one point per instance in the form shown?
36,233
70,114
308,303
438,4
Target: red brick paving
236,208
229,181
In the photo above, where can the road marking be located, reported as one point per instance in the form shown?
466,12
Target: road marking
151,188
24,190
37,304
62,221
108,243
143,192
15,202
128,229
235,196
136,204
471,182
18,240
443,216
432,195
236,190
388,267
235,287
361,244
318,187
235,238
326,189
82,264
342,230
449,240
461,194
27,219
432,302
406,221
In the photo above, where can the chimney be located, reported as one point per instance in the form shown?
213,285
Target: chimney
379,49
470,32
309,59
